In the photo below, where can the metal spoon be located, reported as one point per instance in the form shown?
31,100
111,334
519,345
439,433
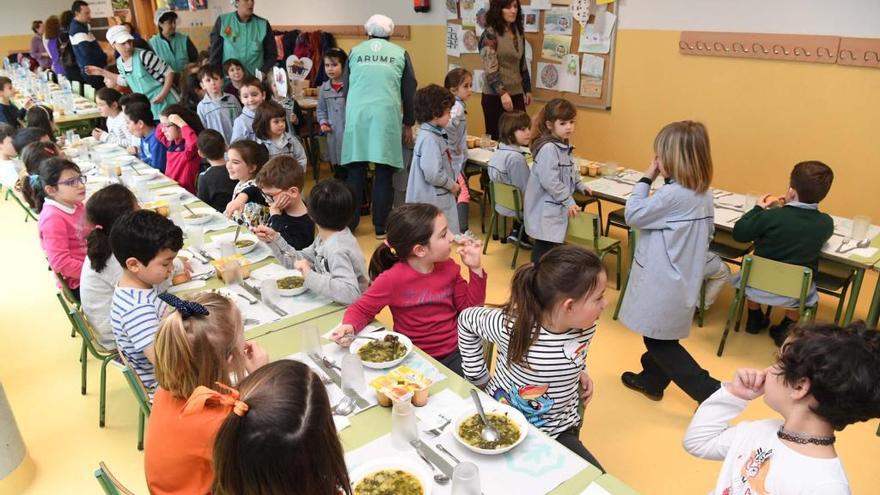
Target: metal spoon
439,477
189,210
842,245
345,406
489,433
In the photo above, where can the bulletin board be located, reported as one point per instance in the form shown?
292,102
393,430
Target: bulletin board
564,64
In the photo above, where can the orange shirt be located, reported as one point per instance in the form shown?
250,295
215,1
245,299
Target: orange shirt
178,454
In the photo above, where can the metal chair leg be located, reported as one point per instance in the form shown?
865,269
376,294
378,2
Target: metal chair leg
519,236
731,313
102,398
141,421
493,225
84,358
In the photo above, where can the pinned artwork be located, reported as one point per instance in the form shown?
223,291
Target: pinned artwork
555,47
298,68
531,18
569,73
541,4
482,9
451,9
558,20
548,76
280,79
470,42
453,40
468,9
593,66
580,11
596,38
478,81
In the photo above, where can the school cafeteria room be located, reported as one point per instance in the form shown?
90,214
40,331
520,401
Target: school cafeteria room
460,247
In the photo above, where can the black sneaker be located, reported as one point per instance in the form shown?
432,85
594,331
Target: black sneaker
779,332
757,321
525,244
634,381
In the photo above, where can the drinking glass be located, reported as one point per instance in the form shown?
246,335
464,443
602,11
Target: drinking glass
196,236
352,374
466,479
403,425
485,141
311,339
860,225
269,291
227,248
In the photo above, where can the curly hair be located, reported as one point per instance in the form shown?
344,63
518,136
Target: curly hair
431,102
843,367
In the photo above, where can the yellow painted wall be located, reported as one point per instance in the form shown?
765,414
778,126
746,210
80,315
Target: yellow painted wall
763,117
14,44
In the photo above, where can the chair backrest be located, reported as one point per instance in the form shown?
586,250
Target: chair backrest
584,227
68,294
76,86
88,333
109,483
507,196
89,92
777,277
137,387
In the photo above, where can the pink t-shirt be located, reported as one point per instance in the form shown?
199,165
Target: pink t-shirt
424,306
62,236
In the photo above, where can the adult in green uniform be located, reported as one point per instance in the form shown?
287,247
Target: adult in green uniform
244,36
142,71
176,49
380,85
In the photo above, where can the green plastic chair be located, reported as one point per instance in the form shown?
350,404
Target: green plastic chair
76,86
109,483
770,276
511,198
633,236
89,92
584,230
69,303
91,345
834,279
29,214
141,395
614,486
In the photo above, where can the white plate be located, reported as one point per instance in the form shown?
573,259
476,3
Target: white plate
169,194
411,466
246,250
108,148
208,215
288,292
357,344
491,406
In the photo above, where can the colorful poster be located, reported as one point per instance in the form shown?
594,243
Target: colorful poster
482,8
479,80
580,11
531,16
548,76
470,42
453,40
558,21
570,73
596,38
555,46
591,87
451,9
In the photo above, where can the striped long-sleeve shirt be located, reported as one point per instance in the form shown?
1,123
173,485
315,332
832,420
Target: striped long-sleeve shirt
546,389
134,317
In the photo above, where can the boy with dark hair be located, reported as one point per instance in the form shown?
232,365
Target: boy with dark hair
28,135
432,179
215,187
281,179
9,113
824,379
794,233
218,110
86,49
126,100
334,265
142,126
145,243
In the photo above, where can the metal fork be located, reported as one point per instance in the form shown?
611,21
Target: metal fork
439,429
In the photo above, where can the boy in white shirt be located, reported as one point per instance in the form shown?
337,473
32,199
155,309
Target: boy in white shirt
117,126
826,377
10,168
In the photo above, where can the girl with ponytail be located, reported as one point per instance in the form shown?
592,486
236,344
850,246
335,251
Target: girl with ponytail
414,276
101,271
541,334
199,346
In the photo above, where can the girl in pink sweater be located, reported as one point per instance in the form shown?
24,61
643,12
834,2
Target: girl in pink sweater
57,193
178,131
413,275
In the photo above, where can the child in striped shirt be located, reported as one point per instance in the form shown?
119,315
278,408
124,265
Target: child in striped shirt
541,334
145,244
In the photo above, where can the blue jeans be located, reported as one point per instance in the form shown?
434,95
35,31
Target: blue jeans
383,195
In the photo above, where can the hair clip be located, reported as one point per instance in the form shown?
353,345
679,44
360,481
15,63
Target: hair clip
34,181
202,394
388,244
185,308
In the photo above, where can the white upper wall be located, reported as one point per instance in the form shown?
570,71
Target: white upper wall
17,14
859,18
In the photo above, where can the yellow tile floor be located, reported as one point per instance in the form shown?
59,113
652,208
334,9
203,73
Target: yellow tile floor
636,439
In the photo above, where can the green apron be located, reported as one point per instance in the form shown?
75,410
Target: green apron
243,40
140,81
373,111
174,53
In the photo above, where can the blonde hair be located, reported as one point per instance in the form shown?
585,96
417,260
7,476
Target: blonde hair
683,150
200,350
